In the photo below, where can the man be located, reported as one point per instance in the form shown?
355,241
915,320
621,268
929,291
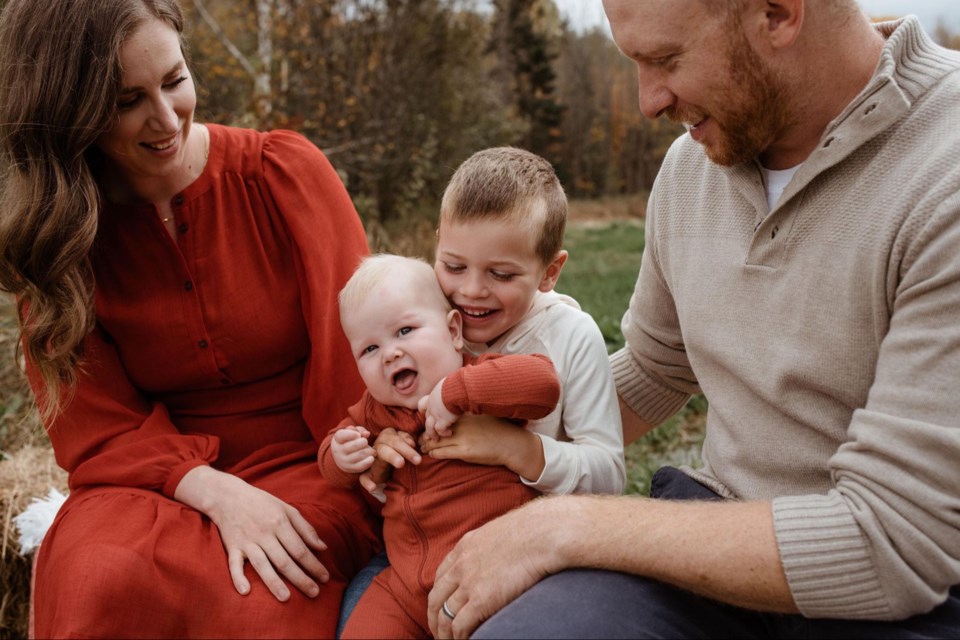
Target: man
802,271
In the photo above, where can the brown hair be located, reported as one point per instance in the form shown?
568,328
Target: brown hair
60,77
513,185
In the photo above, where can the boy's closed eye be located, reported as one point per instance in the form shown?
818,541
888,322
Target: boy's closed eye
454,268
501,275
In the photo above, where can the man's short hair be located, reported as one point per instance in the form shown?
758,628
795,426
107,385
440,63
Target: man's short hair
513,185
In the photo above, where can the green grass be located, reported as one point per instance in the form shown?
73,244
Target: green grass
601,273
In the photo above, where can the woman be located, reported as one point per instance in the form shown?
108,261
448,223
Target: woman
177,287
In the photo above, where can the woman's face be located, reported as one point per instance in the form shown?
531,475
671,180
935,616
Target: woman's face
154,109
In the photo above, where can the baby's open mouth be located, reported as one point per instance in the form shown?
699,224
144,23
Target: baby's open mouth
404,379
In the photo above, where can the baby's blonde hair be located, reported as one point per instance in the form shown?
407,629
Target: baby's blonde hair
373,269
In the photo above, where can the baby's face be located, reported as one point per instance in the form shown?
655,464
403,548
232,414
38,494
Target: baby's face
490,272
403,340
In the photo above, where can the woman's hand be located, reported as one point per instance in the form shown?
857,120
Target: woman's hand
257,527
493,442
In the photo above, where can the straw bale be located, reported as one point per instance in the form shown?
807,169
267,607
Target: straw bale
27,474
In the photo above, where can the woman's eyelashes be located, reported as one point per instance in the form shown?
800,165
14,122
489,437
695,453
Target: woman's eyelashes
128,102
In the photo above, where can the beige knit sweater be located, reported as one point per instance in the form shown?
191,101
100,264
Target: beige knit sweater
825,335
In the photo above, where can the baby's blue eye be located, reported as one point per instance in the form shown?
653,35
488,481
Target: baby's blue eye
404,331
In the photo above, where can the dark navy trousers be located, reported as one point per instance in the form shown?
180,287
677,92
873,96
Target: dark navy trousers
584,603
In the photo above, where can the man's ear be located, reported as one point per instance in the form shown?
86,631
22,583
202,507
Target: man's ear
550,275
455,324
776,22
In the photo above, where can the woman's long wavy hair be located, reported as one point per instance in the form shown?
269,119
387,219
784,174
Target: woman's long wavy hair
60,77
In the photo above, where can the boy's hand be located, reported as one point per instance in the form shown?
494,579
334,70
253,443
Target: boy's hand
374,479
490,441
437,418
396,448
351,451
393,448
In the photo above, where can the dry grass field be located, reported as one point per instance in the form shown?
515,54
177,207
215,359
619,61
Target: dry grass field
27,471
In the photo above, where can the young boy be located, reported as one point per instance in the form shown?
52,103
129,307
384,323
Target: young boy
499,255
407,343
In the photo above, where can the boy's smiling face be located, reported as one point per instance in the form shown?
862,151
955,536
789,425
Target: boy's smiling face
490,272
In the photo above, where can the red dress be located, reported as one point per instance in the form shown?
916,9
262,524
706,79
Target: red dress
224,348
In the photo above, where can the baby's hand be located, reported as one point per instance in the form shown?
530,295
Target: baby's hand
437,418
351,451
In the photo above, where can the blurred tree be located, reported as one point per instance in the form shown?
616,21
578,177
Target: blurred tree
609,147
526,39
945,36
399,92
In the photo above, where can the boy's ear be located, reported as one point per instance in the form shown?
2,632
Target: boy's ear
455,324
549,280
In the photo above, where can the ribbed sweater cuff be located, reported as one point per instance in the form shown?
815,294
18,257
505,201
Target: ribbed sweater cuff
651,401
827,559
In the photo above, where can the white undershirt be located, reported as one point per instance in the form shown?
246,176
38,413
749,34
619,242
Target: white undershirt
775,182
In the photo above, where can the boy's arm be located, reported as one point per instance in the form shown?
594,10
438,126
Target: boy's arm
522,387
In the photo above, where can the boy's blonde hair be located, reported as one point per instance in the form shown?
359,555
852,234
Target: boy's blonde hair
372,271
510,184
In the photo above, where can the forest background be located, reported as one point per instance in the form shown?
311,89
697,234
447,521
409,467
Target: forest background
397,93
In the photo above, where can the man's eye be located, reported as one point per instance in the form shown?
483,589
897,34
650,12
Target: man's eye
666,62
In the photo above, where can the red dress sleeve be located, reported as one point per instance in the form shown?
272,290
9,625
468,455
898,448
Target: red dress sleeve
109,434
329,247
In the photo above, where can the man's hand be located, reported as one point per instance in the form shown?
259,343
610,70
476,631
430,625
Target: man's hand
483,574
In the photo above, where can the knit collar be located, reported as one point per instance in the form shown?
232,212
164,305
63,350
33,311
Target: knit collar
910,63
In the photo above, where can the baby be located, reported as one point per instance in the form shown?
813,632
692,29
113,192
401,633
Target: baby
407,342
